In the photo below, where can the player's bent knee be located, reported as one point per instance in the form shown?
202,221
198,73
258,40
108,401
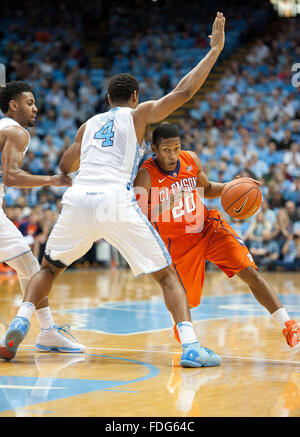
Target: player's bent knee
164,275
52,267
251,276
25,265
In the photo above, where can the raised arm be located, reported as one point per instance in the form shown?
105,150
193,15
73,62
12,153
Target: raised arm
15,140
155,111
70,160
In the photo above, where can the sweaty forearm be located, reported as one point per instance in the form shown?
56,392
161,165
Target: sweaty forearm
192,81
21,179
214,190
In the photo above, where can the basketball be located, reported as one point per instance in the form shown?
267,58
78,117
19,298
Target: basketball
241,198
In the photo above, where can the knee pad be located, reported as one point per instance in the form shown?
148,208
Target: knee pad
25,265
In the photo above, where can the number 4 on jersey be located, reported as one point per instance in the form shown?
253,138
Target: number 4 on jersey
106,133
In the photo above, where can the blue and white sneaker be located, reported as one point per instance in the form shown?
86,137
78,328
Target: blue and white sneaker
54,339
13,337
194,355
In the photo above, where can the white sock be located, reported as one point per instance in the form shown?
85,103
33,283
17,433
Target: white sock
26,310
186,332
281,316
44,317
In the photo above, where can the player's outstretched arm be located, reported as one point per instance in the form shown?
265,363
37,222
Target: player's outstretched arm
70,160
156,110
15,142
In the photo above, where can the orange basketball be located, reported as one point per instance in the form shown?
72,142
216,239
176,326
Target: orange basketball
241,198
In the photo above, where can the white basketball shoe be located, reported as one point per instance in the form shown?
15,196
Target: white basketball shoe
54,339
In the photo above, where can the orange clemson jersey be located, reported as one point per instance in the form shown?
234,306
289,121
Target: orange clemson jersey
189,213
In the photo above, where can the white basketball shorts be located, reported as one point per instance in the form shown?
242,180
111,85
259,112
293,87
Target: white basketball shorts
108,212
12,242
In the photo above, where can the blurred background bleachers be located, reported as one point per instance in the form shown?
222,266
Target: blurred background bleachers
244,120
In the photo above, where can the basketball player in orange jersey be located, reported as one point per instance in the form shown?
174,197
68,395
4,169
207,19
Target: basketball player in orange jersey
166,190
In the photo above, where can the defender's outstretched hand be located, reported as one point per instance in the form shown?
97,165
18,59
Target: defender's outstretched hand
217,38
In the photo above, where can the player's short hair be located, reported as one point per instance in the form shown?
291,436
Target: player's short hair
121,87
11,91
164,130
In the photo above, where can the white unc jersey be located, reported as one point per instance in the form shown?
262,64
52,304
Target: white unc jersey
101,203
5,122
109,149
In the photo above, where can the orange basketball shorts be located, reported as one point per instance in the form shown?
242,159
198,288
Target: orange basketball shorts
217,243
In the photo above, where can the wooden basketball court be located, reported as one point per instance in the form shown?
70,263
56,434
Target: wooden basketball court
130,367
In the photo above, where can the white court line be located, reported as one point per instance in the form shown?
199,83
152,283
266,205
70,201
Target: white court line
30,387
262,360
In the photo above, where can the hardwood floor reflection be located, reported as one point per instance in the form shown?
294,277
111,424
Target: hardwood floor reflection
131,364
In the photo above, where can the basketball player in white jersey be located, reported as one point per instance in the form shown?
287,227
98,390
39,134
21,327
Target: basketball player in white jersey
18,105
101,203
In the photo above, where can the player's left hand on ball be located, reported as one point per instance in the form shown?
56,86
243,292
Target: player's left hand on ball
251,179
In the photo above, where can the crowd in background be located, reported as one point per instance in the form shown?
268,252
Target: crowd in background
248,125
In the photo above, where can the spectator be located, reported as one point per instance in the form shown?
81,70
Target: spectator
30,229
65,123
54,97
292,159
262,248
232,97
269,214
149,89
290,207
47,124
257,166
259,53
277,133
165,84
286,142
48,148
259,227
46,223
289,251
282,229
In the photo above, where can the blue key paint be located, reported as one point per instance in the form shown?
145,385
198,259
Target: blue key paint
122,318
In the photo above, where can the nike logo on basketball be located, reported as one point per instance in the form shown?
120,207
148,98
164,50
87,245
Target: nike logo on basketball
237,211
161,180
